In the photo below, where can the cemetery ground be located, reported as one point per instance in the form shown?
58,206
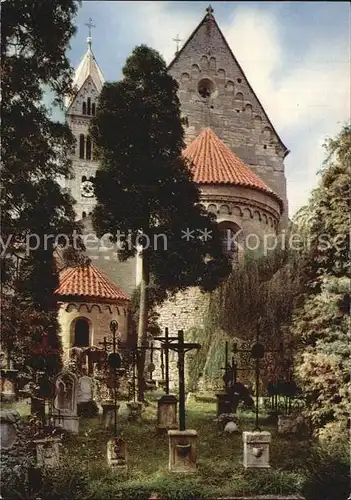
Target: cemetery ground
84,474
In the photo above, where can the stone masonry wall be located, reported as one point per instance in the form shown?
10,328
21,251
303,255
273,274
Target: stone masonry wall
232,110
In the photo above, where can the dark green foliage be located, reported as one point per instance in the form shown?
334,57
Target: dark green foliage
261,290
328,478
321,323
144,184
35,152
328,213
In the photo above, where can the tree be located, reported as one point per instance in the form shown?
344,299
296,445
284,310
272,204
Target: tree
145,185
261,292
321,323
35,153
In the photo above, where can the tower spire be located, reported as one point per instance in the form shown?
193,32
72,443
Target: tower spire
89,25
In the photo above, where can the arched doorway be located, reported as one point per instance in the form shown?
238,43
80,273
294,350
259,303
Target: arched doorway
81,333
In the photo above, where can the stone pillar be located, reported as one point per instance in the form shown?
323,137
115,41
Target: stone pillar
108,414
182,451
117,454
47,451
167,412
256,449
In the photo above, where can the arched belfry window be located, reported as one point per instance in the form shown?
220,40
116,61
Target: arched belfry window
88,106
81,333
84,108
81,146
88,148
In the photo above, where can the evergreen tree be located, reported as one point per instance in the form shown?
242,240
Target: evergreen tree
321,323
35,153
261,292
145,185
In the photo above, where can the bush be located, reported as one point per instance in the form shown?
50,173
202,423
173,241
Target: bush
328,478
68,481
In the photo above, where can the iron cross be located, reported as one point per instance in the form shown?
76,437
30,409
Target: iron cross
90,25
177,40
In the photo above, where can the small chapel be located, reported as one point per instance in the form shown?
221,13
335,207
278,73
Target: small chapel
237,162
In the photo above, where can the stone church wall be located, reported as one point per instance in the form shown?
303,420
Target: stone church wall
232,110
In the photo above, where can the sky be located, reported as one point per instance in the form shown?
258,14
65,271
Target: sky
296,56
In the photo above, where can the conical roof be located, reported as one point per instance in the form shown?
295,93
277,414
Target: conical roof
212,162
88,282
87,67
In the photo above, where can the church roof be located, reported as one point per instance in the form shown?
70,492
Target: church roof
209,18
87,67
88,282
212,162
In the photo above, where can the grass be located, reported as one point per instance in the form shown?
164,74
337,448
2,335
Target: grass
220,469
84,473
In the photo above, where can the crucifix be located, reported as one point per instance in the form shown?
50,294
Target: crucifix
257,352
165,351
114,362
182,348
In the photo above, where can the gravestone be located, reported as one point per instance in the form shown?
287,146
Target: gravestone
86,406
8,428
231,427
117,454
108,413
47,451
135,409
84,390
167,412
256,449
182,451
65,402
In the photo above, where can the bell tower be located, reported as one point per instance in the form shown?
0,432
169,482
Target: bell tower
80,108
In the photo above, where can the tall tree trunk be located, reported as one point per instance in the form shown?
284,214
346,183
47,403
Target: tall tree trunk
143,323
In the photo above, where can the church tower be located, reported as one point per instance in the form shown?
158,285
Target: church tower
214,92
80,108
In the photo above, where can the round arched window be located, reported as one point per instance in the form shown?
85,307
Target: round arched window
81,333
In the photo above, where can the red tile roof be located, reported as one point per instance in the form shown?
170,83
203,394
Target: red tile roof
214,163
88,282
